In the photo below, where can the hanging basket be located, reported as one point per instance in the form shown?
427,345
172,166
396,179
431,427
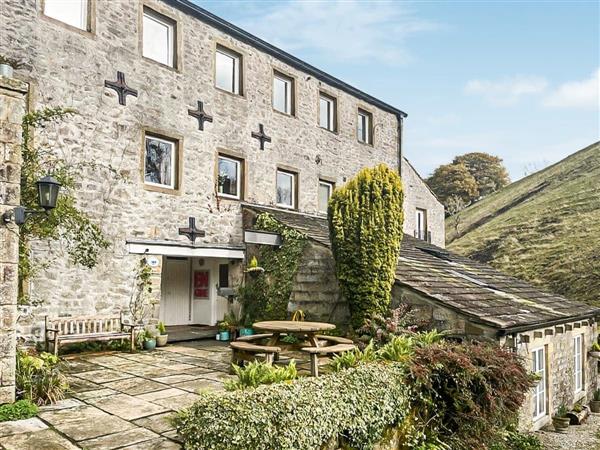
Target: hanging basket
254,271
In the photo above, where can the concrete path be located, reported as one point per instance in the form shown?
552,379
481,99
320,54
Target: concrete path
123,400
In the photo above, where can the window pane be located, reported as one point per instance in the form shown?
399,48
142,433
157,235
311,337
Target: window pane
280,94
361,128
226,72
324,194
159,164
158,39
323,113
285,189
72,12
228,177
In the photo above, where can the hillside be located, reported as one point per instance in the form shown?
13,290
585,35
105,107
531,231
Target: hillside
544,228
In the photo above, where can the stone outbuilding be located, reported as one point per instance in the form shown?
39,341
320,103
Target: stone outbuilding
471,301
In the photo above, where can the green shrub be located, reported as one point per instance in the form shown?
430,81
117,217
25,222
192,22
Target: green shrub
256,373
353,358
515,440
21,409
381,328
39,378
356,403
365,223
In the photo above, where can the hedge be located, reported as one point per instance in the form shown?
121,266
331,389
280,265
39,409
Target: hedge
365,225
358,404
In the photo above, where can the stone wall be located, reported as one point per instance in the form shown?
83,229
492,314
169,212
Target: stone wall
418,195
13,105
68,67
558,342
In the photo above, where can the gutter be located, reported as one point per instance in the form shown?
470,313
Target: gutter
247,38
551,323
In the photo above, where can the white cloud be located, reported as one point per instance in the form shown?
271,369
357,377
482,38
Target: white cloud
577,94
508,91
349,31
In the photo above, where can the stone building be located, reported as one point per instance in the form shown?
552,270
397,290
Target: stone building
468,300
195,116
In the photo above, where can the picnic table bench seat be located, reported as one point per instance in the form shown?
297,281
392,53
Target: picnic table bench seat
315,352
335,339
254,337
87,328
247,351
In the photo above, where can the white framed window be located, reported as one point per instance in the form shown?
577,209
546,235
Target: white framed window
71,12
160,162
228,70
283,93
158,38
578,362
421,224
327,112
325,191
364,130
286,189
229,182
538,367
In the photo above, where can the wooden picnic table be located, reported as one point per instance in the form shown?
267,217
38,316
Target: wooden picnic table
309,329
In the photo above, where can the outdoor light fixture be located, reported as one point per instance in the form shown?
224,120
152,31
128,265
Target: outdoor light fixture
48,189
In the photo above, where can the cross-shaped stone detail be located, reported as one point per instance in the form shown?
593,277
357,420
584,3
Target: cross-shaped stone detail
261,136
201,115
191,231
121,87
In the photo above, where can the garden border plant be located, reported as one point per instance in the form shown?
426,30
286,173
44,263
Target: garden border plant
266,295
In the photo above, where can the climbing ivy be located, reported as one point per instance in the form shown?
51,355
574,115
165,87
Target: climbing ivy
266,296
365,224
82,239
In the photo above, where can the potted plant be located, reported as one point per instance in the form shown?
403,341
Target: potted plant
7,66
246,328
595,351
223,330
560,420
595,402
148,340
253,268
162,337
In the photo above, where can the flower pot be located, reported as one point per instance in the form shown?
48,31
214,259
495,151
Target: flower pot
595,406
149,344
246,331
161,340
561,423
223,335
6,70
594,354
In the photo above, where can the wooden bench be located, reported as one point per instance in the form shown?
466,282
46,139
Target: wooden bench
315,352
247,351
334,339
254,337
69,330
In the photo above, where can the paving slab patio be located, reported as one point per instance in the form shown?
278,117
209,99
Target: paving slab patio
123,400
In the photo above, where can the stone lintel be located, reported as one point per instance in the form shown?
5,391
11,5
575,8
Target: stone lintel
12,84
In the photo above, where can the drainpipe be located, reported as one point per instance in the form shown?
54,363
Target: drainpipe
400,120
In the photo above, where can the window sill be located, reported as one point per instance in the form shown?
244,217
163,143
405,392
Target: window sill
88,33
230,198
224,91
289,208
289,115
367,144
162,190
163,65
328,130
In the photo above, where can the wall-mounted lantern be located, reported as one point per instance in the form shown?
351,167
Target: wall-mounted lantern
48,188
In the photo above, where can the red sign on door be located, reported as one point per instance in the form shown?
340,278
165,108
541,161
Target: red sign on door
201,280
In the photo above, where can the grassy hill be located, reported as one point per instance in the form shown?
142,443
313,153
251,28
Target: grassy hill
544,228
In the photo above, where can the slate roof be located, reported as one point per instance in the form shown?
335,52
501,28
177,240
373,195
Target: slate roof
473,289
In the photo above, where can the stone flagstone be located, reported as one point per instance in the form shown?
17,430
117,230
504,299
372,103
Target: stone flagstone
157,395
127,406
118,440
85,422
103,375
159,423
23,426
94,394
38,440
135,386
178,402
199,385
170,379
157,444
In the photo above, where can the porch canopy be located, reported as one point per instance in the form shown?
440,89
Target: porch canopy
184,249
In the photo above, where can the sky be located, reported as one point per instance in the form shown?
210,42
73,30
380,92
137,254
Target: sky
517,79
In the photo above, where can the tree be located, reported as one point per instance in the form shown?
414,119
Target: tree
454,207
488,171
365,224
453,180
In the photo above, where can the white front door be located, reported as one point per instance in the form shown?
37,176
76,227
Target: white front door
175,299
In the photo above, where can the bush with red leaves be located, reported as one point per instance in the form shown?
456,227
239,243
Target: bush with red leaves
467,394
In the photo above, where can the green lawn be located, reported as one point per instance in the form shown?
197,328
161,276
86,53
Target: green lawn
544,228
